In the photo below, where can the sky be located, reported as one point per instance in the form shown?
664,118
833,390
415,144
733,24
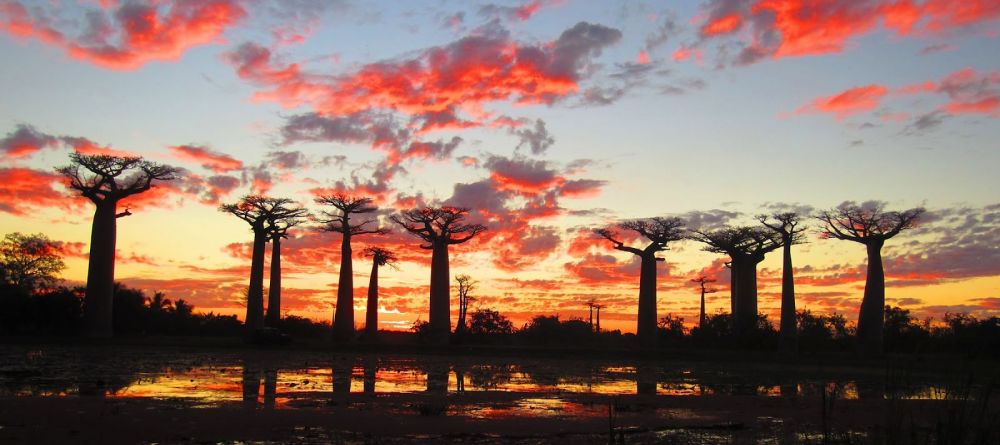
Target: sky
547,118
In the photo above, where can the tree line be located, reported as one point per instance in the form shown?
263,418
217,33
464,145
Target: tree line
106,180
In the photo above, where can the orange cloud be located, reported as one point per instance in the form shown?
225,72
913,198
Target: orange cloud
133,33
848,102
210,159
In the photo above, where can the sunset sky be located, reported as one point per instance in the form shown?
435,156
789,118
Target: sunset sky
548,118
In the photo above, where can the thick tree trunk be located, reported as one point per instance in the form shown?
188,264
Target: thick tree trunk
255,294
746,297
440,295
274,287
343,316
733,291
99,299
789,331
701,314
646,329
371,311
872,315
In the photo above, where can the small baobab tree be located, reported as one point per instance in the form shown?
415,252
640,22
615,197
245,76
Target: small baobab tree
465,287
278,231
788,226
439,227
380,257
340,221
262,213
746,247
106,180
703,281
871,225
659,231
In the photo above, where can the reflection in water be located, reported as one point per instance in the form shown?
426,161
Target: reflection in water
530,386
371,370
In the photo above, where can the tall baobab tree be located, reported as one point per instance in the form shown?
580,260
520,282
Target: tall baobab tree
465,286
598,306
262,213
871,225
340,221
659,231
703,281
279,230
788,226
439,227
746,247
105,180
590,305
380,257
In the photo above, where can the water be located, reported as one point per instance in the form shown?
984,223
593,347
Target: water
669,401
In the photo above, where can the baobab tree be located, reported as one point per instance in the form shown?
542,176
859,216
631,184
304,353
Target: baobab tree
659,231
465,286
380,257
339,221
278,231
871,225
106,180
788,226
439,227
746,247
263,214
702,281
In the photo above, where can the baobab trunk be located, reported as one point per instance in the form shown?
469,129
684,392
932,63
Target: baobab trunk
274,287
701,313
440,307
255,294
789,334
343,319
746,297
646,329
733,292
371,313
99,299
872,315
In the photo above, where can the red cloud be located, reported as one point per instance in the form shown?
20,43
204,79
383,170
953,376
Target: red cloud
971,92
460,76
848,102
210,159
722,25
24,141
782,28
131,35
27,189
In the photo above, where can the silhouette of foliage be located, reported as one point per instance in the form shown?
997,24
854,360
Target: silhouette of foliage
29,261
487,322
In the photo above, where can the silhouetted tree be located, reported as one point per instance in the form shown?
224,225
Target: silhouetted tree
278,230
746,247
659,232
261,213
29,262
465,286
439,227
787,225
380,257
105,180
702,281
871,225
339,221
487,322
